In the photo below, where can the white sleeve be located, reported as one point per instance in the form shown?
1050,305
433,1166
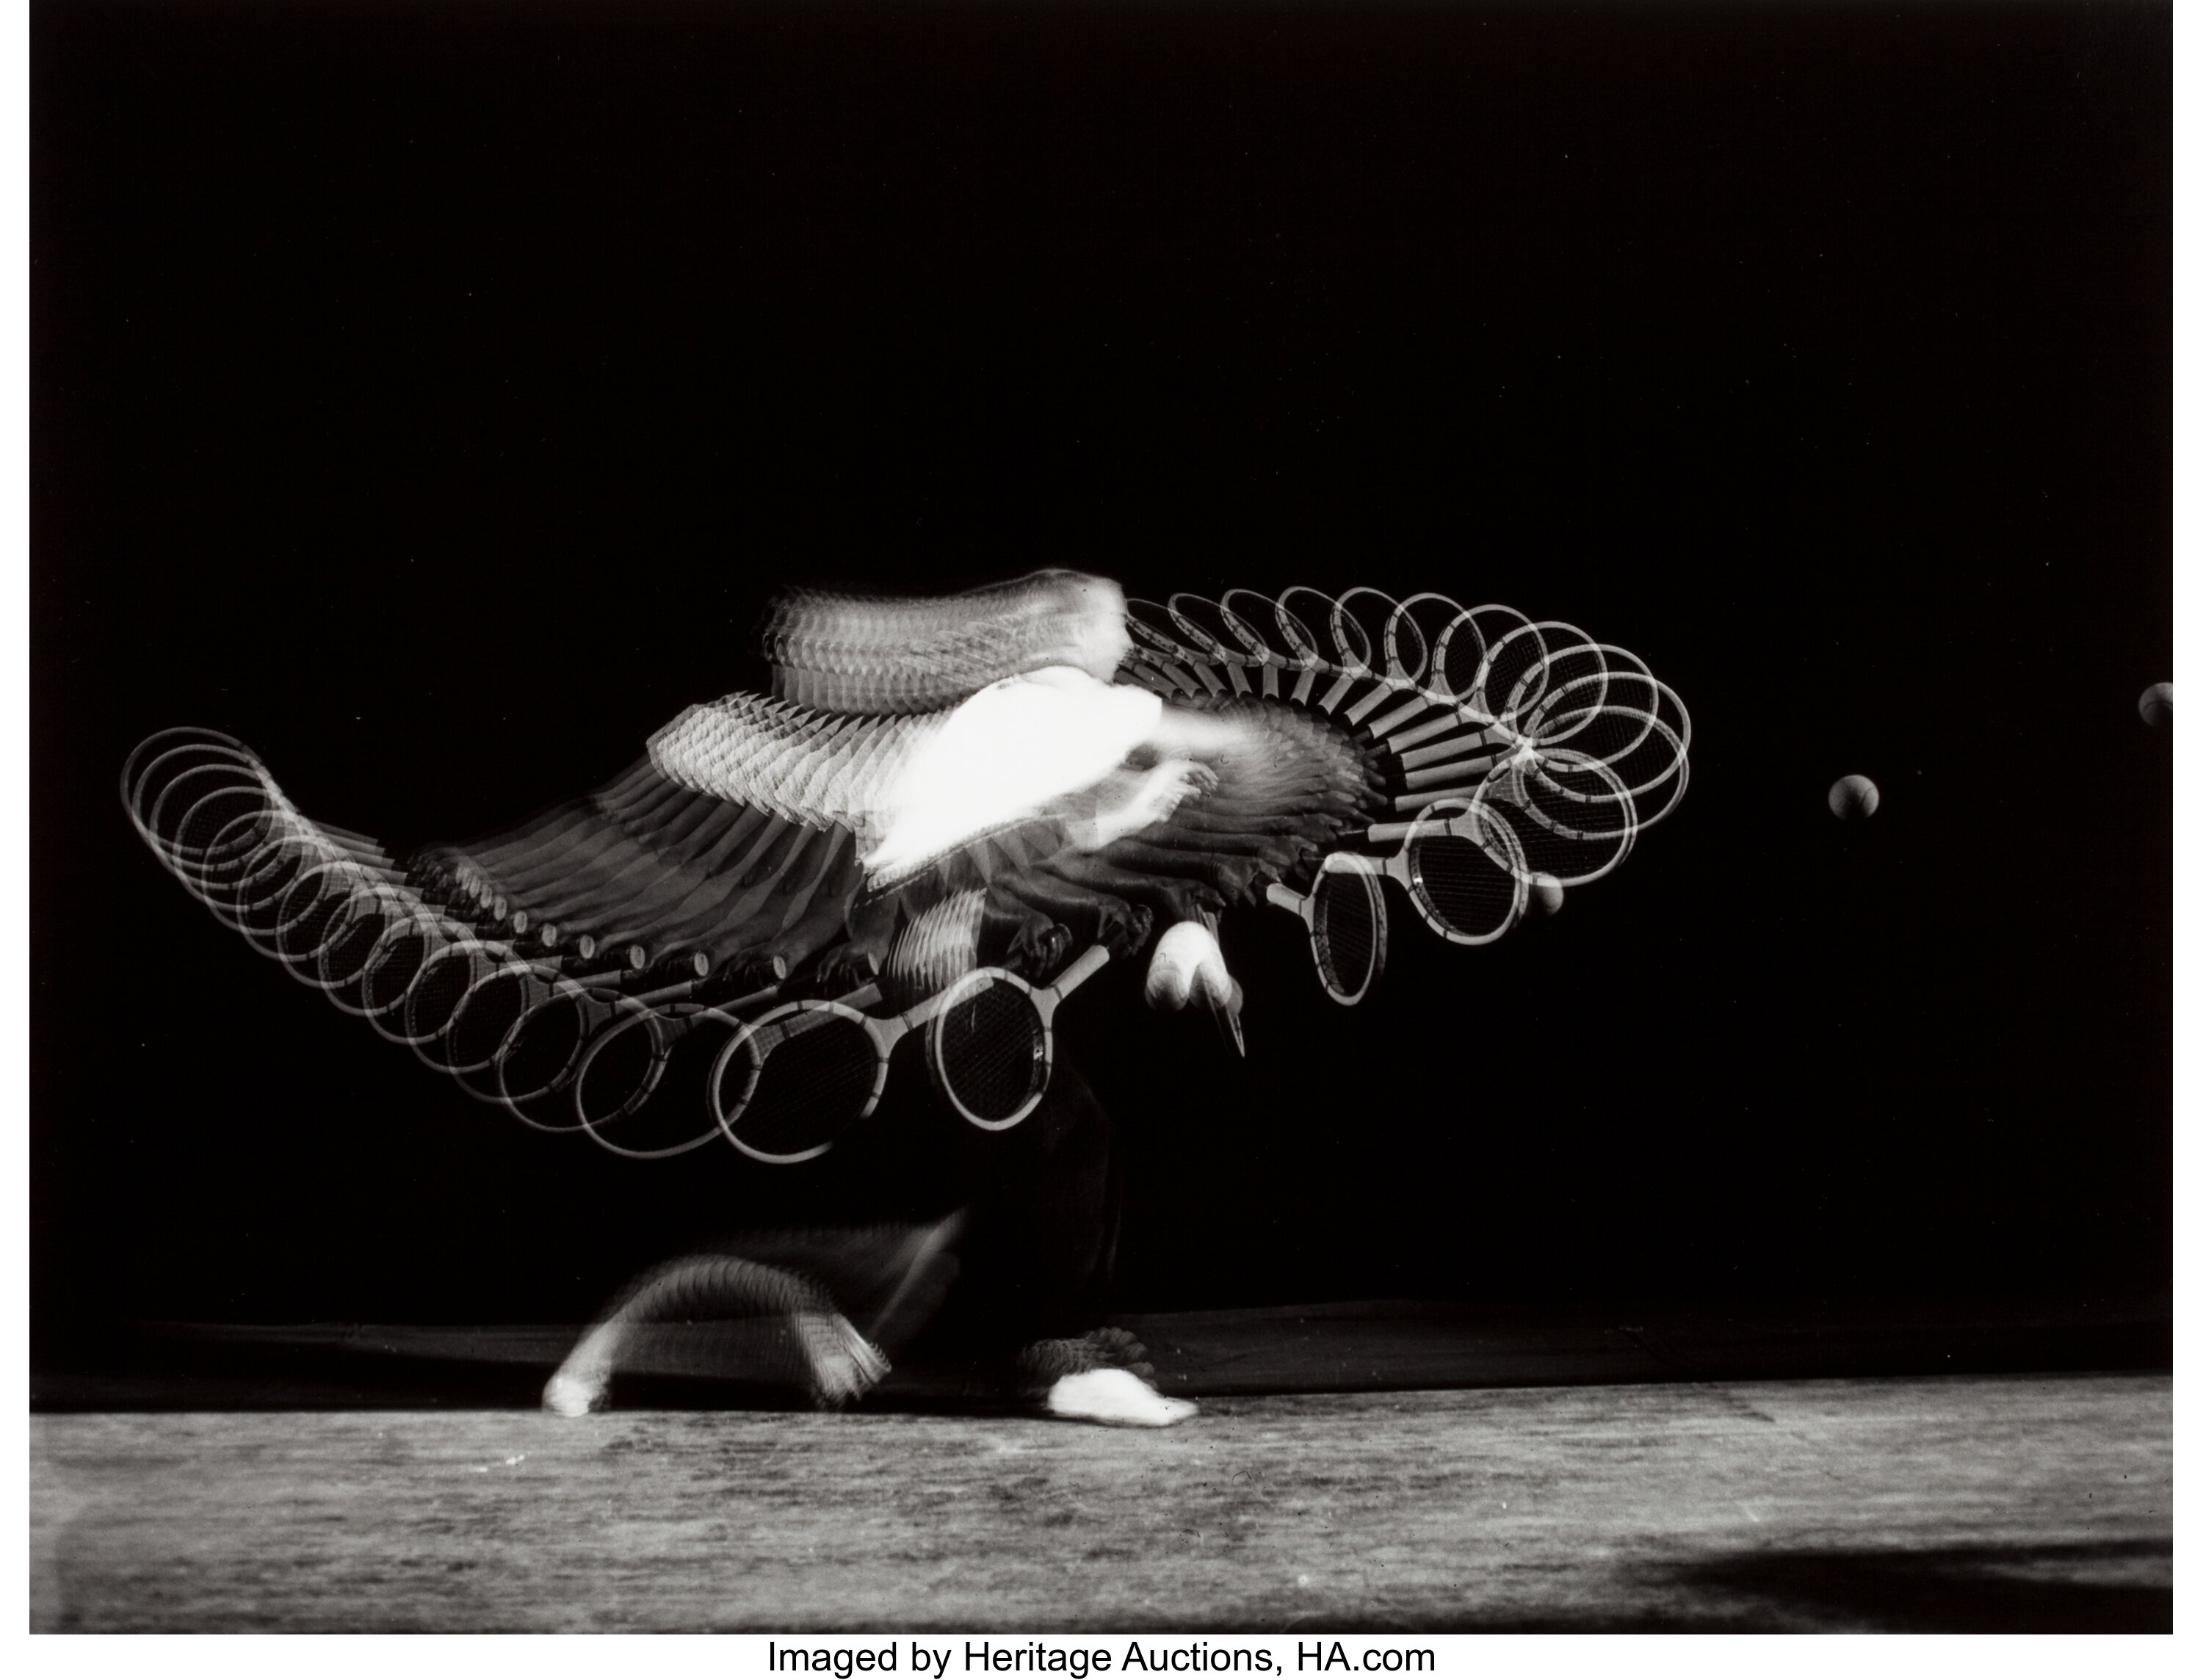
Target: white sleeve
1004,755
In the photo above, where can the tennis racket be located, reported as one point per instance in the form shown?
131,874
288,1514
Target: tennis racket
1461,867
992,1048
632,1058
1343,912
789,1083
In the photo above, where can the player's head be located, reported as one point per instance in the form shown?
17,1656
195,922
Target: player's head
1093,620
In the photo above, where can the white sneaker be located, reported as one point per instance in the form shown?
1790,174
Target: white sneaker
573,1396
1114,1397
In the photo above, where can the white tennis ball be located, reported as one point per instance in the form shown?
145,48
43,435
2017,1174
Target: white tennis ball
1854,796
2156,703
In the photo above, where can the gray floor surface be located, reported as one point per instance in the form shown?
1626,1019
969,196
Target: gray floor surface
2021,1503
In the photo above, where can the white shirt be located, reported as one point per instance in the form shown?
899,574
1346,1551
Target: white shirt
1003,756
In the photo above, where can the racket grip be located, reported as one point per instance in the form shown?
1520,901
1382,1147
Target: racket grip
1459,767
863,998
735,1006
1408,803
1284,898
1369,702
1415,758
1083,967
1384,833
1452,718
1415,704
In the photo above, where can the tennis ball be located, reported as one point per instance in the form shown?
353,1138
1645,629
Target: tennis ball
1854,796
2156,703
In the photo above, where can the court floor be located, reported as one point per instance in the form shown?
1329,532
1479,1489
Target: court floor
1984,1502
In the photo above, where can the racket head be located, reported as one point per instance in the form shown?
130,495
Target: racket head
1457,656
238,853
260,901
409,940
487,1015
340,965
533,1066
1298,610
1412,636
193,809
1201,623
1464,874
162,742
447,975
618,1079
308,917
1639,730
1571,817
148,775
1251,621
297,877
788,1085
1152,627
1490,628
1357,629
1348,932
1512,678
991,1049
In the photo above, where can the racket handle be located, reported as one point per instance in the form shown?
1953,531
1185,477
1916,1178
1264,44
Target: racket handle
863,998
1459,767
1284,898
1415,758
1384,833
764,994
1408,803
1083,969
1449,719
1415,704
1369,702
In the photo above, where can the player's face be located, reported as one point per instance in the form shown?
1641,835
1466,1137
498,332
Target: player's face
1101,639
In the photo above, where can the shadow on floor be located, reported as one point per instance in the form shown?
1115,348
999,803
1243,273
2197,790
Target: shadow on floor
2124,1587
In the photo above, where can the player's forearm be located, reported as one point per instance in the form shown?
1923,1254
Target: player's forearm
1184,733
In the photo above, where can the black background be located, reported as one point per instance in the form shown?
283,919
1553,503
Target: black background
430,396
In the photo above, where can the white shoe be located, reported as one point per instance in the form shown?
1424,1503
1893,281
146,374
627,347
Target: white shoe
571,1396
1114,1397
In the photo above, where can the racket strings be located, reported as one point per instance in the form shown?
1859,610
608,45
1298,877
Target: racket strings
990,1052
390,972
620,1071
1347,934
540,1049
809,1087
434,996
1460,885
342,964
483,1020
